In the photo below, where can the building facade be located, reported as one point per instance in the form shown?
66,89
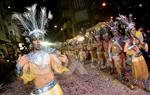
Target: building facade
76,14
9,34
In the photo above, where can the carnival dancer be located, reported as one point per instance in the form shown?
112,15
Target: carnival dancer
100,52
139,66
38,65
75,65
93,53
106,42
99,49
115,53
81,55
132,48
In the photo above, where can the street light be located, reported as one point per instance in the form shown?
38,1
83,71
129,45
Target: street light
9,7
140,5
61,29
103,4
55,26
111,17
106,4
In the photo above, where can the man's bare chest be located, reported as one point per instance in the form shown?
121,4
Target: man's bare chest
40,58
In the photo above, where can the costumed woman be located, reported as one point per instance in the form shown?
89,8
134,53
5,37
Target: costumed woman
92,45
106,43
139,66
81,55
76,62
115,53
132,49
38,65
100,51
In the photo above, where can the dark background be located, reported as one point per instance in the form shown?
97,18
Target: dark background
138,8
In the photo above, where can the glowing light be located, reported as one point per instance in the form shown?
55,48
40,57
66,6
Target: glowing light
55,26
9,7
104,4
81,39
61,29
111,17
130,7
46,43
140,5
130,15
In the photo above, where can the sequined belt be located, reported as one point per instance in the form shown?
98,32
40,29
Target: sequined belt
137,54
47,87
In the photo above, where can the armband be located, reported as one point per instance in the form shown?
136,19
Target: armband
131,47
19,69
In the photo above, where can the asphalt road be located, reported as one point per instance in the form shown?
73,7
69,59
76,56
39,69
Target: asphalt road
95,83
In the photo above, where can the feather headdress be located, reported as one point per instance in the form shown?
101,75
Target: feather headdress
126,21
113,25
33,23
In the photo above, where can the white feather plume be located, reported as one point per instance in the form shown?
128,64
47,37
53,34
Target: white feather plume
31,21
126,21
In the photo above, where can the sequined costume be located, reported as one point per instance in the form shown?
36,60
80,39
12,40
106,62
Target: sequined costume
74,64
139,66
94,57
49,89
40,60
38,65
115,51
100,54
81,56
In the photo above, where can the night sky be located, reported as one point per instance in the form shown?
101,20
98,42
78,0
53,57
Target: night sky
52,5
138,8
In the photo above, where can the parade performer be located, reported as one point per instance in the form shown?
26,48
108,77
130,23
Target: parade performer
81,55
106,43
93,54
132,49
139,66
115,53
74,63
138,34
38,65
100,50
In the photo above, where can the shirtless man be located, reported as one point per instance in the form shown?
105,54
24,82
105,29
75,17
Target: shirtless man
38,65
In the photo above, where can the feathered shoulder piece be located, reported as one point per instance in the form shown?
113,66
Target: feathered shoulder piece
32,22
126,21
113,25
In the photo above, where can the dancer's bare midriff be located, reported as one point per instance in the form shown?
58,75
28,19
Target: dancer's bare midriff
43,79
43,76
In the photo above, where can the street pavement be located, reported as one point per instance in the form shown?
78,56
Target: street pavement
95,83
